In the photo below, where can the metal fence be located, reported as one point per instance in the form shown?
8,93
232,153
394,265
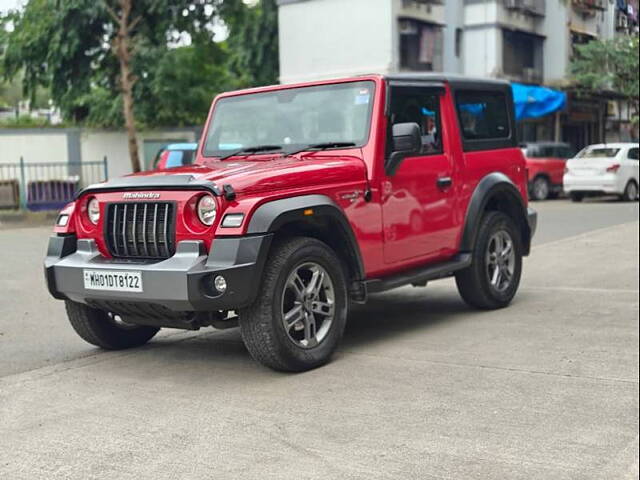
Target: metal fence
46,185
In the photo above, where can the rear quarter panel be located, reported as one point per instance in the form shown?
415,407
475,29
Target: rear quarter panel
479,164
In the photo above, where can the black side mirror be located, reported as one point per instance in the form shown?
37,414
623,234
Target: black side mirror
406,142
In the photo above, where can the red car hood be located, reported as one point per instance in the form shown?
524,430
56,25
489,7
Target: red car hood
277,173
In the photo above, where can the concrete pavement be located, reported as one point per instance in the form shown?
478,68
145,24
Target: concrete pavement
422,387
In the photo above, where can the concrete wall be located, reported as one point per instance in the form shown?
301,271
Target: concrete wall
454,19
334,38
96,144
83,145
34,145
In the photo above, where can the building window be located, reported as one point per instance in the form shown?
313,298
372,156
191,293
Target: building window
458,45
579,38
420,46
522,56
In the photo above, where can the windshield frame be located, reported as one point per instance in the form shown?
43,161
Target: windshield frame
205,154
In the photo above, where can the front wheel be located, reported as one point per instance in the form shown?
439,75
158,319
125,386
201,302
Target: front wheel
576,196
298,318
106,330
493,278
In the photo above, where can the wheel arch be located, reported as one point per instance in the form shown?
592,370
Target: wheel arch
495,192
316,216
542,174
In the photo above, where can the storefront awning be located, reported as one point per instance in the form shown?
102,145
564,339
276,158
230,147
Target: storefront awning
534,102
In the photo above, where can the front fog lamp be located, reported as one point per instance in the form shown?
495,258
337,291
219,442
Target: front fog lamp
207,210
220,283
93,211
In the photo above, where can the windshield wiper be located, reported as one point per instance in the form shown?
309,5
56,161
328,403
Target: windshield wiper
256,149
322,146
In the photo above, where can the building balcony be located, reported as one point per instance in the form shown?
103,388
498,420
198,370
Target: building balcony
531,7
420,3
589,7
623,24
422,10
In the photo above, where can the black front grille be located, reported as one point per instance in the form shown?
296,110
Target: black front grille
141,230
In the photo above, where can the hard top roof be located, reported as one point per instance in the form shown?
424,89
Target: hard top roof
451,78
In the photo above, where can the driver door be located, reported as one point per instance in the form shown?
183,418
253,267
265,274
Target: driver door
418,204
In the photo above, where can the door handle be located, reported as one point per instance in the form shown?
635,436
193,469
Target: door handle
444,182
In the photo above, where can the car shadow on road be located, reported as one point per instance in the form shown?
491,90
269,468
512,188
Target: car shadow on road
401,312
384,317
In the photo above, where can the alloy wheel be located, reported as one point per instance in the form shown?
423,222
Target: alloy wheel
308,305
500,260
541,189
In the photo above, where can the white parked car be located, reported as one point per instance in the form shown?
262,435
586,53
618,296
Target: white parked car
605,169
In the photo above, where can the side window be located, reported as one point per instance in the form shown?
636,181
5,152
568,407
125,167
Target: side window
633,154
483,115
187,157
563,151
421,106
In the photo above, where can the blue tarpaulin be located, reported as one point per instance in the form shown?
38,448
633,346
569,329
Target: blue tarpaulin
533,102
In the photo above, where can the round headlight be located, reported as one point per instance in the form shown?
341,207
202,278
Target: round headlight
207,210
93,211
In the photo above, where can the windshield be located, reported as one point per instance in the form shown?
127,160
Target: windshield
598,153
292,118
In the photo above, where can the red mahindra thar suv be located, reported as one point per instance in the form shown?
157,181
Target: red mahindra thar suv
303,199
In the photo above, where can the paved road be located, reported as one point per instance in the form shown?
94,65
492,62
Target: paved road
422,387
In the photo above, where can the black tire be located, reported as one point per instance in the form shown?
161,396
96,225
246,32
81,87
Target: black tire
474,285
262,323
630,192
98,328
541,188
576,197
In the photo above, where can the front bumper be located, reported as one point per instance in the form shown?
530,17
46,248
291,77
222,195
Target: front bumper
182,283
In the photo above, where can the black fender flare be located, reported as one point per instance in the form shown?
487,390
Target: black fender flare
491,185
271,216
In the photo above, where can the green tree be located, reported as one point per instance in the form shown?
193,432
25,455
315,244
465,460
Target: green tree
92,52
609,65
254,43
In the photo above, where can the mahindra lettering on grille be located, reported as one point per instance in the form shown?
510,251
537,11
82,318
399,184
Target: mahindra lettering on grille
140,196
141,230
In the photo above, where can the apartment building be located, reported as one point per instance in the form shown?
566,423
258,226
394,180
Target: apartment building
528,41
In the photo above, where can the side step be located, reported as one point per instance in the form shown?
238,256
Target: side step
420,275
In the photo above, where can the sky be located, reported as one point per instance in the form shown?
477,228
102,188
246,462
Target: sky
9,4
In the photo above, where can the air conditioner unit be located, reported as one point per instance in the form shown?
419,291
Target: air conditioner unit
408,27
512,4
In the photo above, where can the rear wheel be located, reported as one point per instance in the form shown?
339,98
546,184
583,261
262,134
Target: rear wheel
493,278
298,319
576,197
541,188
106,330
630,192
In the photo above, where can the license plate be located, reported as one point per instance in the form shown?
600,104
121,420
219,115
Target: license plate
113,281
